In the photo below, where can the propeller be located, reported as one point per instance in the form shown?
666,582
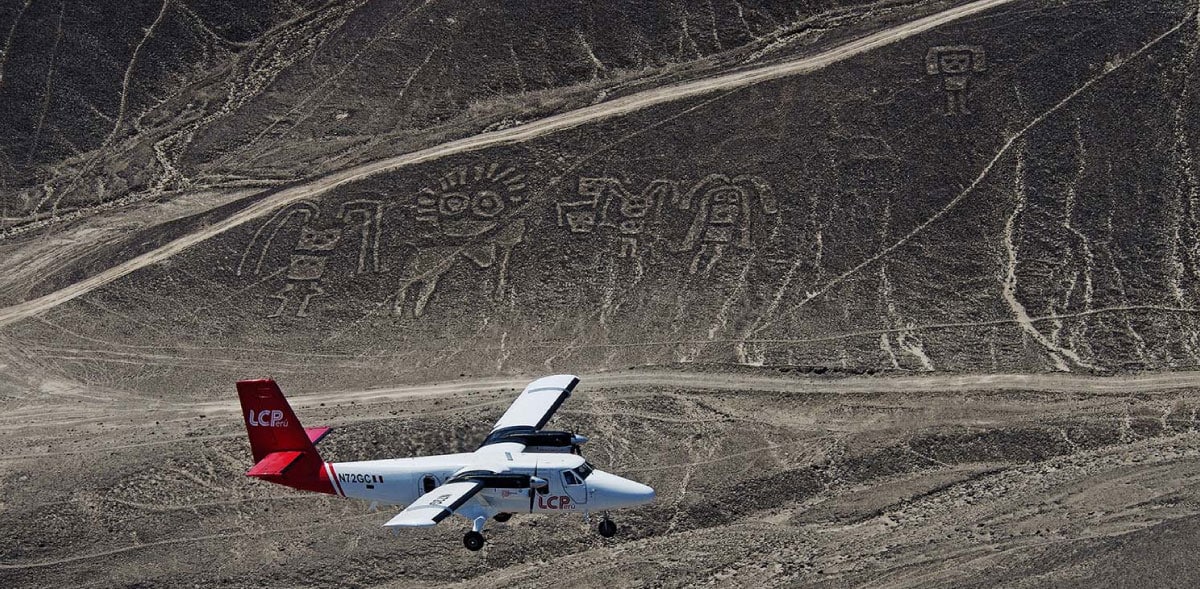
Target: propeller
532,488
577,441
536,484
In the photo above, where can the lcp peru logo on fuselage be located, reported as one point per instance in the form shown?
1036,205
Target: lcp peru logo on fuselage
266,418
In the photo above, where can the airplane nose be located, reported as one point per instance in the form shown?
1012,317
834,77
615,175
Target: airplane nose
638,492
622,491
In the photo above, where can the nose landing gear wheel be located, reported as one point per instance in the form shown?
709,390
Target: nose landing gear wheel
502,517
473,540
607,528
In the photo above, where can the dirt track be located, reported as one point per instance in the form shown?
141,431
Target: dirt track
1067,383
57,415
548,125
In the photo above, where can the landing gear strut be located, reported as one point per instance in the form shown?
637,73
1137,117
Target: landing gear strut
607,527
473,540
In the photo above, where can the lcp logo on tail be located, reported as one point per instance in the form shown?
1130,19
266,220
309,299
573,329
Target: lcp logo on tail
266,418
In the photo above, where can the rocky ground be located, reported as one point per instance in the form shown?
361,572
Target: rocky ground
864,215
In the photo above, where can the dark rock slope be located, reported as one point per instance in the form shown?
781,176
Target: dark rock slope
1017,191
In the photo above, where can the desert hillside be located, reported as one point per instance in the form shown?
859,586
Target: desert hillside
891,294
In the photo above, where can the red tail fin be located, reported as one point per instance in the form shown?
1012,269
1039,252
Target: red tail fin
283,450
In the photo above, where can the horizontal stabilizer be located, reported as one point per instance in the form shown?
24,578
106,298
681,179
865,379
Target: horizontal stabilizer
316,433
274,464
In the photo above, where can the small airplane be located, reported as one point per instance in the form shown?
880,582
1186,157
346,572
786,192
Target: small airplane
519,468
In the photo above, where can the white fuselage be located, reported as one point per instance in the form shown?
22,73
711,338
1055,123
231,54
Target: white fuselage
401,481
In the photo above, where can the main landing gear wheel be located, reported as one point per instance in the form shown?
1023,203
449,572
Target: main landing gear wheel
473,540
502,517
607,528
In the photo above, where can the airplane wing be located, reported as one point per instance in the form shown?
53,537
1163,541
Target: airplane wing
436,505
531,410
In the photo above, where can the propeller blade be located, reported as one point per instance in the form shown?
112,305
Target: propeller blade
531,489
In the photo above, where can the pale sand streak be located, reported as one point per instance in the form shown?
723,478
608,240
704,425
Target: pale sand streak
693,380
552,124
705,380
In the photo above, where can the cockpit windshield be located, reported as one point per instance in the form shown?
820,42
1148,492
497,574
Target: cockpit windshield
584,470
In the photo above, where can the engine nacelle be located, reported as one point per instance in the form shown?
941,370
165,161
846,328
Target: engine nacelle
549,439
540,441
